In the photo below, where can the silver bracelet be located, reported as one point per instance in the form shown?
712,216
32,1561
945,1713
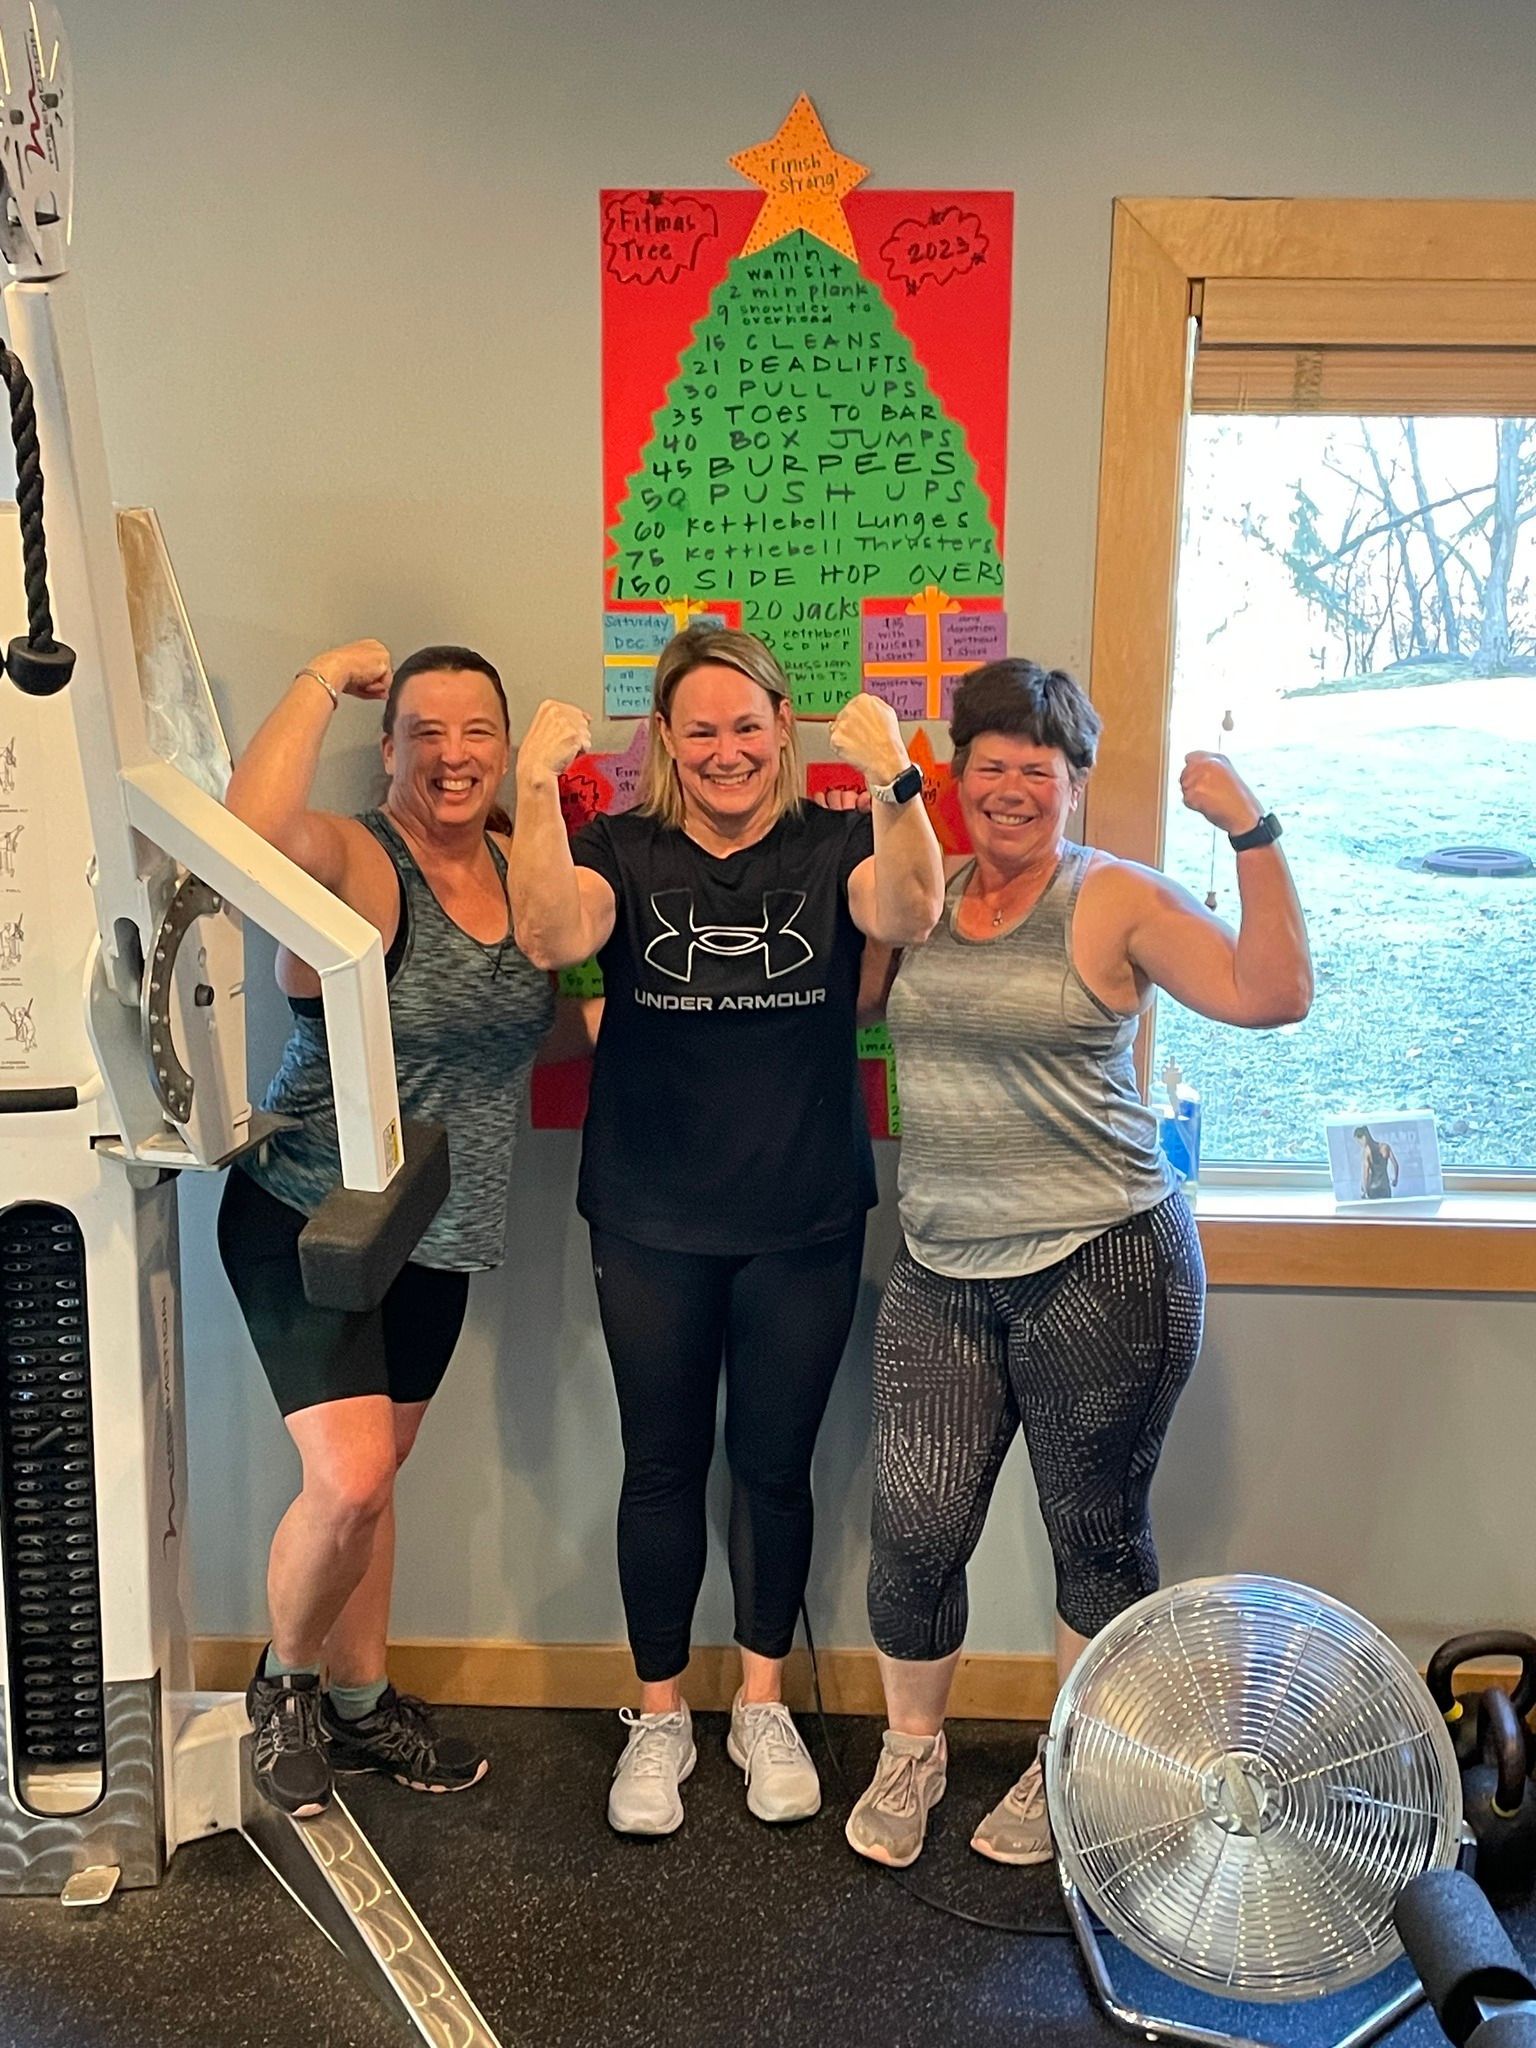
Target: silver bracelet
320,679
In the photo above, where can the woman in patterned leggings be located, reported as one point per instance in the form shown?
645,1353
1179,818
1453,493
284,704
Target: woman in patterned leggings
1051,1278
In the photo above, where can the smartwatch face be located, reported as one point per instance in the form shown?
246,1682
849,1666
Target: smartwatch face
1264,834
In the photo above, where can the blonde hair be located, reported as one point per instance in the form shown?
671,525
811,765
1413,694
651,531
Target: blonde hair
661,792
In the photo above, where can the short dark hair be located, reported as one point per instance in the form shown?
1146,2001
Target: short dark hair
452,661
1029,702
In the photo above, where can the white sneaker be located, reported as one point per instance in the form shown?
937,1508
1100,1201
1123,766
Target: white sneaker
644,1798
890,1821
765,1743
1018,1829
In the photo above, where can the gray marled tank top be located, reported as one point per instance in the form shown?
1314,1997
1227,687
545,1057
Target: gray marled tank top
467,1020
1020,1115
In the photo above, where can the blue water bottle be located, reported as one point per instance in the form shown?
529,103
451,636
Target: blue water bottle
1178,1128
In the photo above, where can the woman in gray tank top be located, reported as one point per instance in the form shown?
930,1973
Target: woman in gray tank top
468,1013
1051,1278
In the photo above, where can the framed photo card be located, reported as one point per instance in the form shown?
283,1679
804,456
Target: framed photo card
1389,1155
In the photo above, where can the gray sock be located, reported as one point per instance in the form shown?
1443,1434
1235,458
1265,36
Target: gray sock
356,1702
274,1667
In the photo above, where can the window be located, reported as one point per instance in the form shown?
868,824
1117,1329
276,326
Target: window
1356,625
1382,685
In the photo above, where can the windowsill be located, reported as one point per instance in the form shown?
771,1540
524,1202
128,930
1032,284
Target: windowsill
1256,1236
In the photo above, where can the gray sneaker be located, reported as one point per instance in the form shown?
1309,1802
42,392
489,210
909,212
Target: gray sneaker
765,1743
890,1821
644,1798
1018,1829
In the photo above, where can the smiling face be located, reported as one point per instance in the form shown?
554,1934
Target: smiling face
725,734
448,752
1016,797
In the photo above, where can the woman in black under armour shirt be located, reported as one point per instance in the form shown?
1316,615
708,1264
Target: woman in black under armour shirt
726,1169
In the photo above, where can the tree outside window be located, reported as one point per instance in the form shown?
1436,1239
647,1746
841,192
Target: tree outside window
1354,596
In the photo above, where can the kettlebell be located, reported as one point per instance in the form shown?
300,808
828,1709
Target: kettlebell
1461,1714
1498,1800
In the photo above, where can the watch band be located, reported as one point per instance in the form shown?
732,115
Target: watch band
1265,833
908,784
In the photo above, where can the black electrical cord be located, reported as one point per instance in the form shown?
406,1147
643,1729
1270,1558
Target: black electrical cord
40,664
1044,1930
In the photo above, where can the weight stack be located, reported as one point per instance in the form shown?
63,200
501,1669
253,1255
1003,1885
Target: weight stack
48,1531
82,1741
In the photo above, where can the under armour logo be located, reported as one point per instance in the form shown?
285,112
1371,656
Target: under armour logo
782,947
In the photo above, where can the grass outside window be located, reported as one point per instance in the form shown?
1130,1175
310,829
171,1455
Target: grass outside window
1370,310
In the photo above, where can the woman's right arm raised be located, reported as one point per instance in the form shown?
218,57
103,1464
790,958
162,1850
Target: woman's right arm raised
269,789
561,913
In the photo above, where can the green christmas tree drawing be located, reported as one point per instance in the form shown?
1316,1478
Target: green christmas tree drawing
801,463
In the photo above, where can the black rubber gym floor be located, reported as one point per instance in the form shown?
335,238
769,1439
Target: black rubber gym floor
729,1934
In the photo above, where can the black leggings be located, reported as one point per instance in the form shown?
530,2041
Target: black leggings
310,1354
780,1321
1089,1356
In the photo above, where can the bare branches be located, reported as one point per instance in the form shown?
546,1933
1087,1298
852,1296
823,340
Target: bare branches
1372,559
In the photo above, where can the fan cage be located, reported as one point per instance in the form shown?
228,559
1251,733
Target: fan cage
1242,1776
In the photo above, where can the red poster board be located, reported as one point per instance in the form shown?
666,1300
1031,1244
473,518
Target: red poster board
805,407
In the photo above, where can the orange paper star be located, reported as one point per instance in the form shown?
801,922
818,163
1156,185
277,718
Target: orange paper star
805,180
940,795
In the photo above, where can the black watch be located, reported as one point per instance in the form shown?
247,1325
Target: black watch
908,784
1265,833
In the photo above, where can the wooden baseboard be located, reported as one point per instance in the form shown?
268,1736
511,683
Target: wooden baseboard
1014,1687
499,1674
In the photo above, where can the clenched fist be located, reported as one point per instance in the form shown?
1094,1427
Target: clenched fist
556,734
360,669
866,735
1213,789
841,798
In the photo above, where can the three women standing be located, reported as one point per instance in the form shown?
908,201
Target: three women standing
1050,1278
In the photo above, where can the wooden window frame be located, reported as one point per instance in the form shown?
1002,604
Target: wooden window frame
1162,252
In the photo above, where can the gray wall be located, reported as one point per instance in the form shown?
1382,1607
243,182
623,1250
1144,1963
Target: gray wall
342,275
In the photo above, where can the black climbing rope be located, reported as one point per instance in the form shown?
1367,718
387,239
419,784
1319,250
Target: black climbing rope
39,664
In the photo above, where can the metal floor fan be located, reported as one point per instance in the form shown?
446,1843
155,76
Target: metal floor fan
1242,1775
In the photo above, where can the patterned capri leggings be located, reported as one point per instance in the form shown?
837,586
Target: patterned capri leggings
1089,1357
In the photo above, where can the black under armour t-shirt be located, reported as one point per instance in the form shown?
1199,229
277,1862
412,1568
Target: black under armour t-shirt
726,1114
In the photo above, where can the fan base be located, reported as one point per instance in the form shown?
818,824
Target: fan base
1151,2027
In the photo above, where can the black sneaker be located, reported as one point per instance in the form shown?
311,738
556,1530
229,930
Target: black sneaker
288,1760
401,1739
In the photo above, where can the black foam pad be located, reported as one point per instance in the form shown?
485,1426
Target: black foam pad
1513,2029
1456,1943
354,1244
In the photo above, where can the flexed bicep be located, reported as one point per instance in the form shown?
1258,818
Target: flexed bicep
1259,976
1181,948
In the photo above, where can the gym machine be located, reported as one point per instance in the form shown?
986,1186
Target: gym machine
124,886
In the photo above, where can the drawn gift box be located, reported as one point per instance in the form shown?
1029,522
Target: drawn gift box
915,649
633,637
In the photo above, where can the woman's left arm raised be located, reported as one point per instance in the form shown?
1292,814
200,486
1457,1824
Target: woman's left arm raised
897,897
1261,975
